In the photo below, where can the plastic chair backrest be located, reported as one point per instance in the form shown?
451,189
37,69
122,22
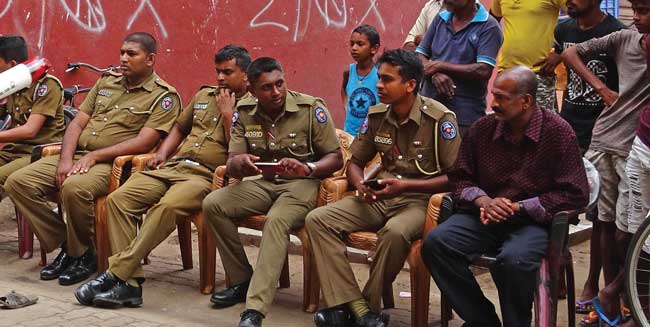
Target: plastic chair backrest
593,177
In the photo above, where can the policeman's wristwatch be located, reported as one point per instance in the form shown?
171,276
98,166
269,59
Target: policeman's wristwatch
311,166
522,209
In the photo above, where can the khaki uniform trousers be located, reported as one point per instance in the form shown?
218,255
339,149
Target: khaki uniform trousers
172,192
285,204
397,221
29,188
10,162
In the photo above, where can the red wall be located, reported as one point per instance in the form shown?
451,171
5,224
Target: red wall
309,37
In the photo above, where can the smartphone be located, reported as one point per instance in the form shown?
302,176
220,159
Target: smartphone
267,167
374,184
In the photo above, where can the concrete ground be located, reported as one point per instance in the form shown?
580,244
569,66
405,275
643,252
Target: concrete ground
171,295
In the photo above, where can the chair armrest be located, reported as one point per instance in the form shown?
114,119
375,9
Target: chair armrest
139,162
120,172
433,213
45,150
332,189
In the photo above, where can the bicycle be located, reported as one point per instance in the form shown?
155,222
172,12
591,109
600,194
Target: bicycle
637,274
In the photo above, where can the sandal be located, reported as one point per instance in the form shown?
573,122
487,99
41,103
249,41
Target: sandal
602,318
590,320
15,300
585,306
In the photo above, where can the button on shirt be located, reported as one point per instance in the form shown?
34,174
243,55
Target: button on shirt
118,114
478,42
544,170
408,149
206,143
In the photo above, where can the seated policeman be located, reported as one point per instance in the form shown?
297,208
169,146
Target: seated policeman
170,189
295,131
515,169
123,114
418,140
36,111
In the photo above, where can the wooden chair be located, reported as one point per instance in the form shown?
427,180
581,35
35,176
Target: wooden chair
120,172
207,246
557,260
335,189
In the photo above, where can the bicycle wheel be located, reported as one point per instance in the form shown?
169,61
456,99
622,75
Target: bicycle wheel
637,275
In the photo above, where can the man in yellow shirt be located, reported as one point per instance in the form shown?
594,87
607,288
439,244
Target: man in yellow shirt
528,39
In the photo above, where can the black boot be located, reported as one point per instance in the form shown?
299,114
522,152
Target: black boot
251,318
372,319
338,316
121,294
230,296
81,269
59,265
86,293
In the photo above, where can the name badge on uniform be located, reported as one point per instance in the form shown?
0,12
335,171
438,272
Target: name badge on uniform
253,131
383,138
105,93
201,105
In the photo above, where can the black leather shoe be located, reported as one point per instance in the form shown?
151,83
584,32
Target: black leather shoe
121,294
80,270
334,317
251,318
230,296
59,265
372,319
87,292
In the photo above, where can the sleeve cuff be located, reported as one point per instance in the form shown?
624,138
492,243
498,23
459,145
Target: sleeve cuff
423,52
534,209
486,60
469,194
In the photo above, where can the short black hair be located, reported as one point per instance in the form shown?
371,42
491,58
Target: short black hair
13,47
232,51
410,66
370,32
145,40
260,66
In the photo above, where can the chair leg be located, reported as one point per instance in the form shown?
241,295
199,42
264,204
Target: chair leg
25,237
207,254
184,228
102,242
284,276
43,261
446,314
311,283
571,290
562,287
420,283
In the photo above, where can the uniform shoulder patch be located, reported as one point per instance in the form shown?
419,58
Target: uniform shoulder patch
448,130
42,90
364,126
235,118
167,103
321,115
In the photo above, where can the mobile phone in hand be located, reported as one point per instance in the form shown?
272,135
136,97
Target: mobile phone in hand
374,184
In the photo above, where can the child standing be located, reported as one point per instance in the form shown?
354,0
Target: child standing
358,90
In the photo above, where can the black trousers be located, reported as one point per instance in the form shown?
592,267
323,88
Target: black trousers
520,247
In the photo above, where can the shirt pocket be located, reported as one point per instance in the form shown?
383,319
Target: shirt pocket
296,147
133,115
385,152
424,158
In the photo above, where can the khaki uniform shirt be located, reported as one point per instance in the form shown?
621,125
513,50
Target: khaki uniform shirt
45,97
423,146
304,131
207,143
118,114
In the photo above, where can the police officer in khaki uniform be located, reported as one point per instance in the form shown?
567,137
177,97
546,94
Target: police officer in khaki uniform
122,114
36,112
418,140
174,191
295,132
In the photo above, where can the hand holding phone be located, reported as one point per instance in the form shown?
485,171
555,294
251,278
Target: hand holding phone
374,184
